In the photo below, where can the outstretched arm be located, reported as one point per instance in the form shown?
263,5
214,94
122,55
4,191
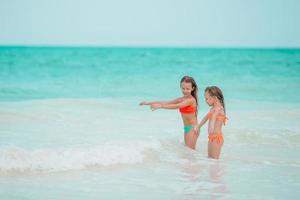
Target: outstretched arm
172,105
161,102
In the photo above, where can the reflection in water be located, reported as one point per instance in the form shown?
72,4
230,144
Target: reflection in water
216,172
202,178
199,177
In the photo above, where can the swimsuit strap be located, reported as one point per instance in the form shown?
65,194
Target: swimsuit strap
220,117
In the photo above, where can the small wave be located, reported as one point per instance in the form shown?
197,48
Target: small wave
13,159
257,136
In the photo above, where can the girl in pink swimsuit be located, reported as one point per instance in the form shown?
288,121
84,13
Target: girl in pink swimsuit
216,116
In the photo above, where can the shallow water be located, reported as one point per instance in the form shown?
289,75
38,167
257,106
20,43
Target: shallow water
71,127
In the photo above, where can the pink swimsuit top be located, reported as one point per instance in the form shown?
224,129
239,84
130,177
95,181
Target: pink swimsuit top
220,117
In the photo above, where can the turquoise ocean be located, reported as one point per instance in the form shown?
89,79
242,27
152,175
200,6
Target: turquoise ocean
71,126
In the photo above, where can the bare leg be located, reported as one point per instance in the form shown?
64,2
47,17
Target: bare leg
195,137
190,139
209,149
214,149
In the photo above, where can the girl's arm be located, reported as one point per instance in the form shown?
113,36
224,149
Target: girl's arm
203,121
172,105
161,102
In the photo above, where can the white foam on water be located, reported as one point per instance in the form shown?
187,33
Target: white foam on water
76,158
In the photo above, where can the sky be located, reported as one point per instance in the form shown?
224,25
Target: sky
161,23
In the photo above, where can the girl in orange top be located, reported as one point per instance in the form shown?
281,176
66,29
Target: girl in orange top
188,107
216,116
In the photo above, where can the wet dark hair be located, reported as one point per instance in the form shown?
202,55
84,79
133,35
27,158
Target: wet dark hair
194,93
214,91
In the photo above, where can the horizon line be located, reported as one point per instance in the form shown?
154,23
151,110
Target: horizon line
145,46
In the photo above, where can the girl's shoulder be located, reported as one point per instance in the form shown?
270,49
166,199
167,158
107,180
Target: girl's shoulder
180,99
218,110
192,100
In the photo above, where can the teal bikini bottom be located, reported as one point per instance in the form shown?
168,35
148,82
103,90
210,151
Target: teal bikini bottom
188,128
